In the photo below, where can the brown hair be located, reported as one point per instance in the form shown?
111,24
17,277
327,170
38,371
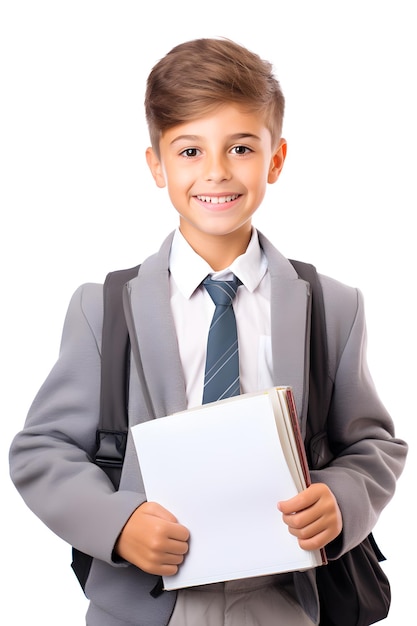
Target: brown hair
195,77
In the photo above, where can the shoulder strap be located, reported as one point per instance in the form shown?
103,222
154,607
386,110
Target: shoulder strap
112,429
115,350
320,385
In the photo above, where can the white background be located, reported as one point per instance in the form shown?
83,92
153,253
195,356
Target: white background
77,201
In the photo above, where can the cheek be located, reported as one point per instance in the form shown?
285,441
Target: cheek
178,190
256,180
179,181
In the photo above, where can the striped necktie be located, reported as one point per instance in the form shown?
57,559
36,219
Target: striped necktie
221,379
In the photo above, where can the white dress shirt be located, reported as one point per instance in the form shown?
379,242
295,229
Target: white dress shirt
250,601
193,309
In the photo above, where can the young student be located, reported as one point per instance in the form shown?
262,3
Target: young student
215,113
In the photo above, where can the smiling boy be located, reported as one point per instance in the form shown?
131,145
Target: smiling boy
215,112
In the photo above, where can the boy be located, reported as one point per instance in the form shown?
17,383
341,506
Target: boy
215,112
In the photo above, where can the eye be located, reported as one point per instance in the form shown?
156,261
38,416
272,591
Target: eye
241,150
190,152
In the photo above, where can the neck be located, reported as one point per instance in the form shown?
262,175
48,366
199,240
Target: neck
219,250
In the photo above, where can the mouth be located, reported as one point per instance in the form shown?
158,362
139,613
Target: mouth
218,199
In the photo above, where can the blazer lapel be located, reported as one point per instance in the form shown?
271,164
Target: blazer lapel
155,332
290,332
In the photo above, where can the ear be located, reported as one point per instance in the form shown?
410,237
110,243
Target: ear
277,161
155,166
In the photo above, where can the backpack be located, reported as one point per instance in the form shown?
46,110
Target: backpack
353,590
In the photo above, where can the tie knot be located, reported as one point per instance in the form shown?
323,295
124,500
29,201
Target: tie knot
222,292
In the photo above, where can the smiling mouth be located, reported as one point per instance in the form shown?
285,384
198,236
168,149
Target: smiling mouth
218,199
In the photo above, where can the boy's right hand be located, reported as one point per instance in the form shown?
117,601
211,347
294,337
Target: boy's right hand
153,540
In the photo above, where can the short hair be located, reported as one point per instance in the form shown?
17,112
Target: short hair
198,76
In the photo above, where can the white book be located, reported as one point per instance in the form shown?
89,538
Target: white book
221,469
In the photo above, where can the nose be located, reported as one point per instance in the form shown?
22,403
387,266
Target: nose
216,168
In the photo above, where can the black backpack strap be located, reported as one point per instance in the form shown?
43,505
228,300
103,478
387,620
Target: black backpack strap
115,350
320,384
114,394
112,428
334,581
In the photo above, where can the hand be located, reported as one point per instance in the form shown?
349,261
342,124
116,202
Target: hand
313,516
153,540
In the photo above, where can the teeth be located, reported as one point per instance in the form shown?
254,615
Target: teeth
218,199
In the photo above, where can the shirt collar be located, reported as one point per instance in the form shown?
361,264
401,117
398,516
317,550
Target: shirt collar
188,269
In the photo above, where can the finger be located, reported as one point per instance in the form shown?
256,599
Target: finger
170,559
177,548
298,503
307,530
314,543
302,518
163,559
178,532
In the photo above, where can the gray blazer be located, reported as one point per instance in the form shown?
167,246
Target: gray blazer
50,458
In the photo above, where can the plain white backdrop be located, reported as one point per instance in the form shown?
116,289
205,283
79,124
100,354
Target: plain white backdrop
77,201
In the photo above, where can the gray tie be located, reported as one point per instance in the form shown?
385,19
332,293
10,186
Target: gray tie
221,379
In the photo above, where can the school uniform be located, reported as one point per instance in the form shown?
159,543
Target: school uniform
50,457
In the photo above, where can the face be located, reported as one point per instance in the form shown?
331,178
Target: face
216,169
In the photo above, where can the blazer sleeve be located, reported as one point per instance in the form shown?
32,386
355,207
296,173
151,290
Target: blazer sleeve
370,458
51,458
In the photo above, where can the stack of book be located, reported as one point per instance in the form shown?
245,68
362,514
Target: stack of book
221,469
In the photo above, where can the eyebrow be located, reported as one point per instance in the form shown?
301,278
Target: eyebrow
234,137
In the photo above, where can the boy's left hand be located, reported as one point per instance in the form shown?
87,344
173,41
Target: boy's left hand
313,516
